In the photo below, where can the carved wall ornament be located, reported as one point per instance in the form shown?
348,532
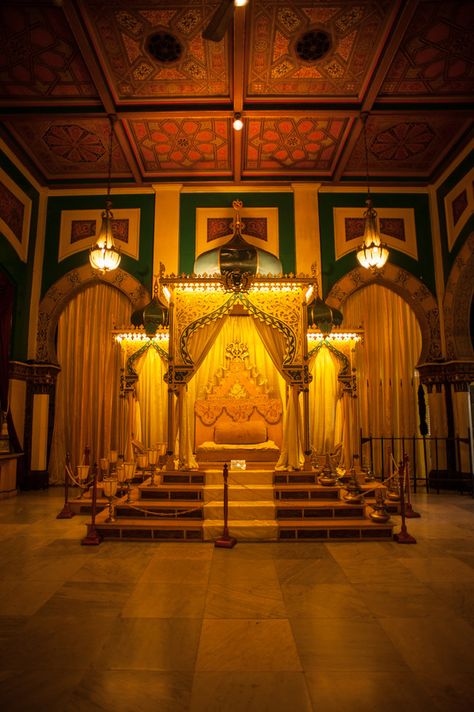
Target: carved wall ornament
410,288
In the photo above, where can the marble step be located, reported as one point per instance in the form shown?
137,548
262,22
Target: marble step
154,510
300,491
174,492
335,530
241,510
314,509
240,477
147,530
239,493
242,530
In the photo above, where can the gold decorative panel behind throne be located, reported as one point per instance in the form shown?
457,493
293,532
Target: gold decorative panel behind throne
238,417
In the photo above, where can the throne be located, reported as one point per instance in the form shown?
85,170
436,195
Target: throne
238,417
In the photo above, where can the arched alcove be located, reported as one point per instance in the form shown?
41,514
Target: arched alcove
457,304
411,289
65,289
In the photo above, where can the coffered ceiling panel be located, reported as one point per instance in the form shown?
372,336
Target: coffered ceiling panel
314,49
39,56
292,145
154,50
400,142
71,146
182,146
303,75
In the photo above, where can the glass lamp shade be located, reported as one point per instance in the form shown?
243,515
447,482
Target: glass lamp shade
152,456
113,456
82,473
129,470
162,448
142,460
373,253
104,256
104,464
109,486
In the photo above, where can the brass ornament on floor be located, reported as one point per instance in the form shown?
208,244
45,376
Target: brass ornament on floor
328,478
379,514
354,494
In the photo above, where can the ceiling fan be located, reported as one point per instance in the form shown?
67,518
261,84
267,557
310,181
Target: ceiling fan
220,20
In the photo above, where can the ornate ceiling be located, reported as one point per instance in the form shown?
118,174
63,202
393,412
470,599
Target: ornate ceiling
302,73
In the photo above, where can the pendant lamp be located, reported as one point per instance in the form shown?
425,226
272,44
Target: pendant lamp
104,256
373,253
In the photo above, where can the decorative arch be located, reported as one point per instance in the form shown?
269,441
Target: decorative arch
411,289
60,293
457,304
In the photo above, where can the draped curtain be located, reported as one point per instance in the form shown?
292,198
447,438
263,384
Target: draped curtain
198,346
387,382
87,392
152,396
233,329
292,454
325,402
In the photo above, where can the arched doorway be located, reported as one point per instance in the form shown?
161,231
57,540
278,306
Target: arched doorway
88,385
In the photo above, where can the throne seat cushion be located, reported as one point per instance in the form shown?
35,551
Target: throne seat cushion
247,433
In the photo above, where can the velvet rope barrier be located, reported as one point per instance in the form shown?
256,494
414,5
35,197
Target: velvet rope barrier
66,512
92,537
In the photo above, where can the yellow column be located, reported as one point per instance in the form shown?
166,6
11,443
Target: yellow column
307,237
166,244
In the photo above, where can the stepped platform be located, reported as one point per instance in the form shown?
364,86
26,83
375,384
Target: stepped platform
263,505
331,530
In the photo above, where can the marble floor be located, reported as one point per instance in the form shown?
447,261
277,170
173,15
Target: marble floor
131,627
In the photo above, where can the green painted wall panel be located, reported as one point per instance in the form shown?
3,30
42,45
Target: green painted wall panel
451,181
20,273
142,268
333,270
187,222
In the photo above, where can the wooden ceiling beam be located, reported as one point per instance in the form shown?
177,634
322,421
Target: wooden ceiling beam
238,80
89,56
398,23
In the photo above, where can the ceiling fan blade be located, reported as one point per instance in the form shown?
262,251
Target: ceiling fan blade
219,22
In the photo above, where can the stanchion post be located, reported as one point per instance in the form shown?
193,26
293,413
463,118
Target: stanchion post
226,541
92,537
409,512
403,537
66,512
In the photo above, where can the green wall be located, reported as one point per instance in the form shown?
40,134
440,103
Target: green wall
456,176
142,268
333,270
19,273
187,222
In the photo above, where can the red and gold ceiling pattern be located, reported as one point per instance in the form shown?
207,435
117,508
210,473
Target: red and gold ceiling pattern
292,144
275,68
70,146
66,65
39,56
400,140
121,33
182,146
436,56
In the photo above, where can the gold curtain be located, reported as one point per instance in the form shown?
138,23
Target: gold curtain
152,396
386,379
233,329
325,402
88,385
292,454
